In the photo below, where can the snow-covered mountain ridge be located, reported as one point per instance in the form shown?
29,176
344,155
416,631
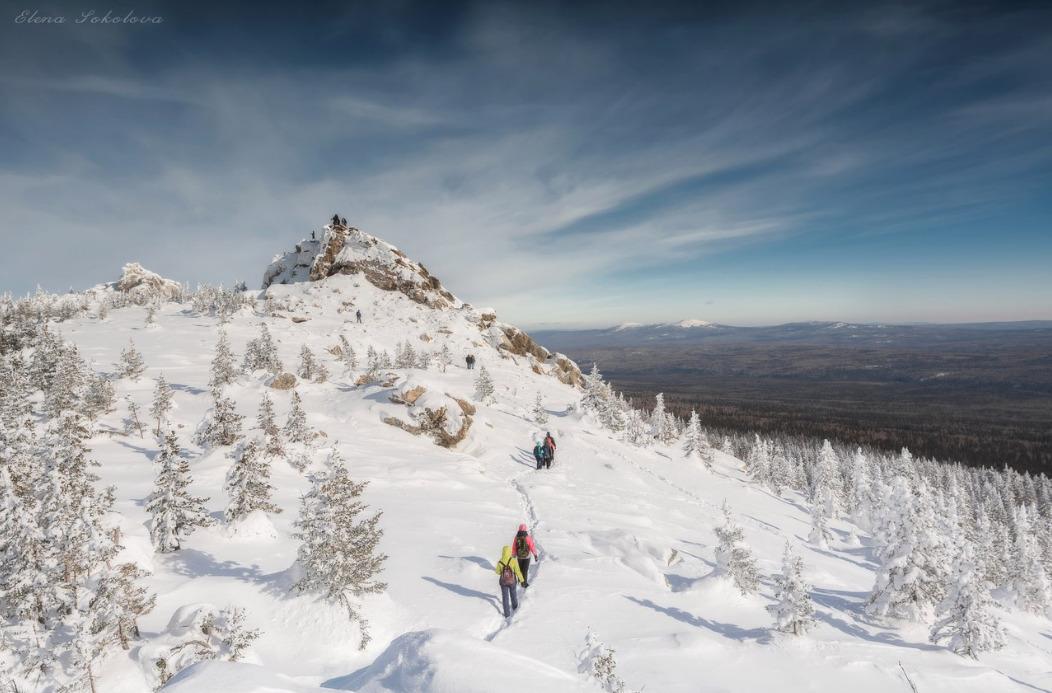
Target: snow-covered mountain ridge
625,522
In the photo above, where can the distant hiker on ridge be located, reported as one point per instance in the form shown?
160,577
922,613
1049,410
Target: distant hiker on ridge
524,548
470,361
510,576
358,315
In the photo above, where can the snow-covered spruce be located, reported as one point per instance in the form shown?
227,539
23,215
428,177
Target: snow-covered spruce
174,513
222,423
484,389
540,414
733,558
311,369
265,421
793,611
339,551
223,369
296,429
162,404
248,483
600,663
695,443
261,353
131,365
966,620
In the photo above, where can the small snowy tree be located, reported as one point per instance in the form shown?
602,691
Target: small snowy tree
223,370
484,389
133,422
445,358
695,444
131,364
151,314
820,534
261,353
248,483
966,620
174,513
793,611
222,424
118,602
272,446
339,554
540,414
310,368
347,355
98,396
162,403
733,558
598,662
296,428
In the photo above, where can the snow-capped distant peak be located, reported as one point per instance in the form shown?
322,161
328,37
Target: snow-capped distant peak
687,324
627,326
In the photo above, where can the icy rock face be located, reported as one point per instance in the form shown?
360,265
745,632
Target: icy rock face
347,250
141,283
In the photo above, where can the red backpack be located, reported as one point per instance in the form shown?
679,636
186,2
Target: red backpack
507,576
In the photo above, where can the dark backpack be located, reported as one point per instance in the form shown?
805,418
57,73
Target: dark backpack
507,576
522,548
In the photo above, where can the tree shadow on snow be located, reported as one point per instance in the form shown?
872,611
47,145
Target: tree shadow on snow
477,560
193,563
189,389
466,592
727,630
853,603
150,453
804,541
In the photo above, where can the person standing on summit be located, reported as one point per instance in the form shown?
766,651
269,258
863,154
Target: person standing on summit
524,548
549,447
358,315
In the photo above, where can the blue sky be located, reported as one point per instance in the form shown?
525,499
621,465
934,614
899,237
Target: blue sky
571,164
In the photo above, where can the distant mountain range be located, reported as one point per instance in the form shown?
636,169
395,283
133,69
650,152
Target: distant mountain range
686,332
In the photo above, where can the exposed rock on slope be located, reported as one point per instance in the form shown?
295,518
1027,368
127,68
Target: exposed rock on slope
347,250
142,285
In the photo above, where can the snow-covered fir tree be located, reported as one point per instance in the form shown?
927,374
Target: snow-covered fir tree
133,422
339,552
966,620
223,371
119,600
347,355
637,429
162,403
310,368
222,423
296,429
174,513
405,356
906,582
484,389
662,423
261,353
99,396
151,315
248,483
793,611
733,558
695,444
444,358
540,414
131,364
1027,577
67,382
266,422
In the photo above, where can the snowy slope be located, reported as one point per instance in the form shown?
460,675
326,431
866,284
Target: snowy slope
625,534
